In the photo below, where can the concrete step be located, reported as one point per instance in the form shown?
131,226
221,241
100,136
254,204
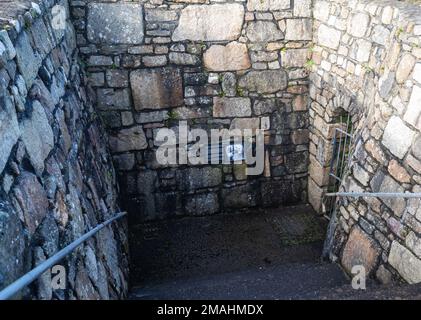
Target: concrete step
287,281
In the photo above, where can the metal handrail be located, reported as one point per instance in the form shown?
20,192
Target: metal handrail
374,194
32,275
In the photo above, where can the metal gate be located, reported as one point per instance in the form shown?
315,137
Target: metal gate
342,143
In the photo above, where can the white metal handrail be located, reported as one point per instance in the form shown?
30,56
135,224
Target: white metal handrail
374,194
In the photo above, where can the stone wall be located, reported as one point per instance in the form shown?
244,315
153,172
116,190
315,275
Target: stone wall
367,62
215,64
56,175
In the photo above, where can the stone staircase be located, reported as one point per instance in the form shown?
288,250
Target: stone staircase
271,254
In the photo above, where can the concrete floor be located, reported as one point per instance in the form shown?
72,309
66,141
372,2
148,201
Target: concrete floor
271,254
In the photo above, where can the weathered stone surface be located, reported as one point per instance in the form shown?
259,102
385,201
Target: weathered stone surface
37,136
397,137
115,23
109,99
44,289
184,58
146,186
245,123
328,37
263,31
398,172
156,88
380,35
417,73
159,15
266,106
12,245
32,200
358,24
321,10
154,61
196,178
386,83
231,107
8,45
9,130
28,61
210,23
397,205
360,249
416,148
128,140
84,288
266,81
361,50
405,262
244,196
404,68
299,29
413,112
229,84
233,56
302,8
202,204
293,58
266,5
117,78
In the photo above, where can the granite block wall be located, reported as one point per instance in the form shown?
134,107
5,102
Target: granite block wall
56,175
215,64
367,63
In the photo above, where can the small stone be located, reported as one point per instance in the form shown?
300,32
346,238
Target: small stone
360,249
405,263
154,61
417,73
380,35
299,29
397,137
268,5
245,123
37,136
9,130
321,10
405,68
215,22
383,275
5,40
263,31
265,81
28,61
117,78
303,8
233,56
231,107
184,58
398,172
293,58
229,84
159,15
132,139
329,37
115,23
413,112
244,196
358,24
164,87
32,200
100,61
416,147
195,178
202,204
